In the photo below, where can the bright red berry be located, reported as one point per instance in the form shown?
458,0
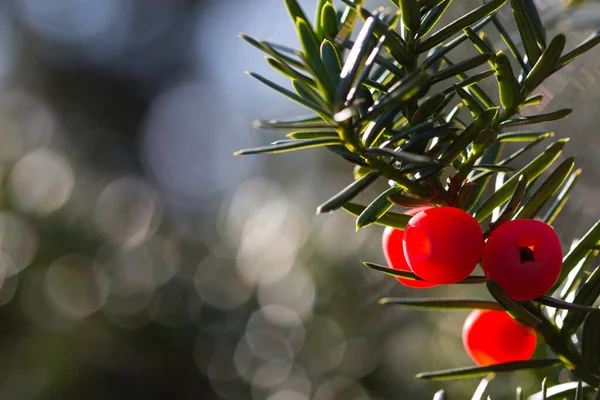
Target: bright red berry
443,245
494,337
394,253
523,257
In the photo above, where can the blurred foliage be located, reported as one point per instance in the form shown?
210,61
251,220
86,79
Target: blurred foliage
573,14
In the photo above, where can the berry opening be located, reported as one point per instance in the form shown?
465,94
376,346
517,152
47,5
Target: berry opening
527,254
527,247
420,245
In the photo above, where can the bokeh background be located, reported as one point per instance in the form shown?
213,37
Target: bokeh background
140,260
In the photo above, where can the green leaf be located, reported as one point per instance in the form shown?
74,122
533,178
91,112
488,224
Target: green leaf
288,93
282,48
364,73
281,141
533,13
546,63
474,89
525,149
402,156
579,391
378,126
441,304
513,204
514,308
303,123
562,198
430,106
348,193
493,168
468,82
460,23
474,372
436,54
523,136
536,119
512,47
563,305
312,52
409,275
559,391
404,90
585,46
452,116
290,72
590,342
533,170
347,155
354,62
348,20
411,15
491,155
477,92
510,158
580,251
376,86
508,87
296,11
301,135
586,296
364,100
405,200
328,21
308,93
426,4
469,135
386,64
421,171
481,144
544,389
319,25
440,395
360,171
545,192
431,18
392,219
263,46
393,272
478,42
472,104
394,43
331,61
481,388
485,38
459,68
533,100
465,195
376,209
577,275
290,146
530,35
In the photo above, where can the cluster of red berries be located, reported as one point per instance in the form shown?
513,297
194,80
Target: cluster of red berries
443,245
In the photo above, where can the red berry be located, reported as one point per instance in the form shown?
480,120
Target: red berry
443,245
523,257
394,254
494,337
